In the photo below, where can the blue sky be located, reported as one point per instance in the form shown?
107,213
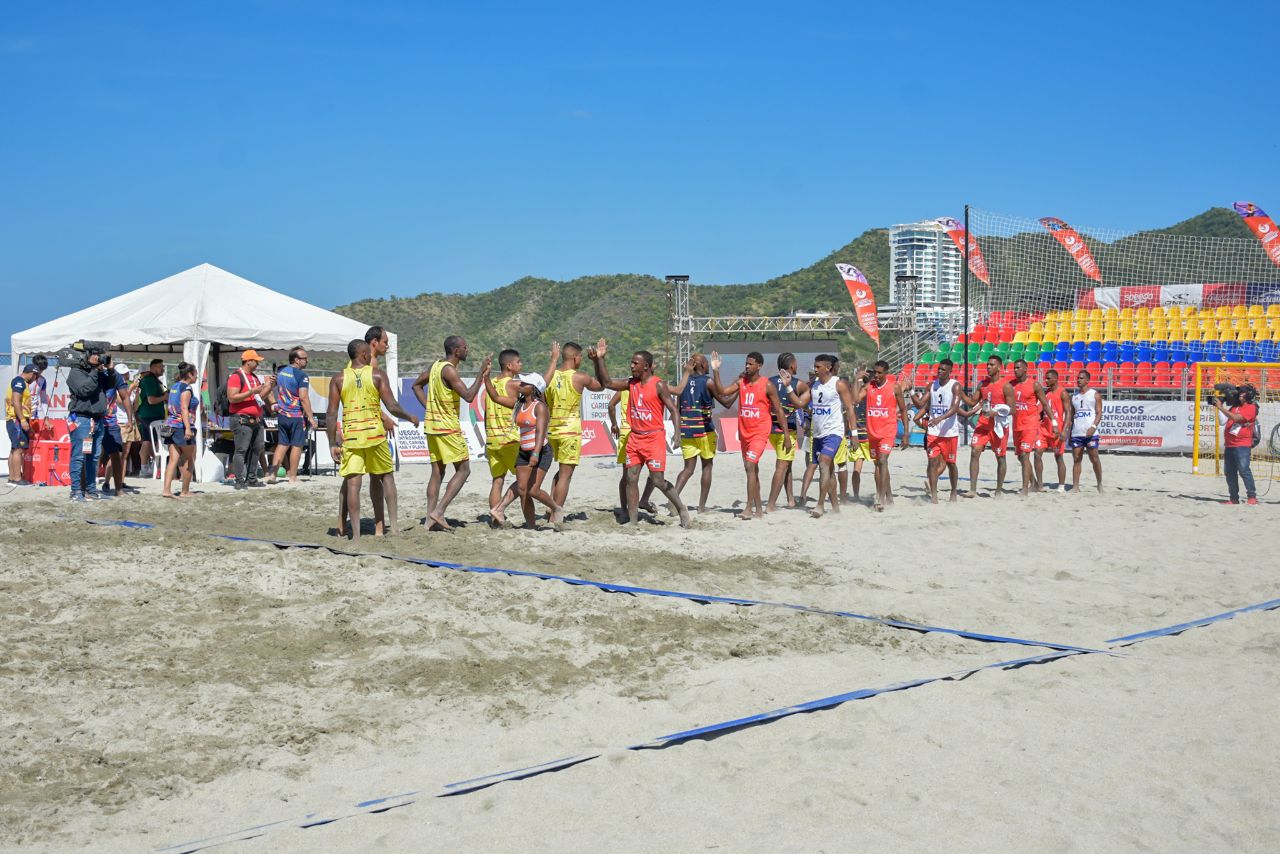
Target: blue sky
336,151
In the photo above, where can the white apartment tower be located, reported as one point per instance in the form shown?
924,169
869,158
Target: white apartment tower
924,249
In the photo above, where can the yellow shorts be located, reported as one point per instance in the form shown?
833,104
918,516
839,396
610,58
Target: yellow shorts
566,450
447,448
375,459
860,453
784,456
622,446
703,446
502,459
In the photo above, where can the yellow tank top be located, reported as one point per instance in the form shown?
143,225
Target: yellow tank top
26,403
442,404
624,426
361,409
499,426
566,405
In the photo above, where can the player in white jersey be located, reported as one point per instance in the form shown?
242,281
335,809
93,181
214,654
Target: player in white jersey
831,420
939,416
1086,416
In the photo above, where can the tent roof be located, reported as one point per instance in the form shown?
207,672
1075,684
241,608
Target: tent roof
205,303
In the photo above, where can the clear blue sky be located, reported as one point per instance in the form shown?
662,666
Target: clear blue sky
342,150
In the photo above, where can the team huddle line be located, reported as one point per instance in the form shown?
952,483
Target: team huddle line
532,420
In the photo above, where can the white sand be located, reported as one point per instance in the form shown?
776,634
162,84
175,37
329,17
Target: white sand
159,686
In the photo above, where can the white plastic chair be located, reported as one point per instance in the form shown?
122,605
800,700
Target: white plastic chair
161,450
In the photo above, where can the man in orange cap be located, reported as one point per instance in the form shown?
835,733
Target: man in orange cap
248,393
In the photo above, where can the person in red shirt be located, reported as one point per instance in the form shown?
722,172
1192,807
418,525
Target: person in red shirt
248,393
759,408
993,427
1241,412
648,397
886,407
1030,408
1054,430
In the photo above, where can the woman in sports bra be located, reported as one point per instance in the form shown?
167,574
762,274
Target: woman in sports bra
531,416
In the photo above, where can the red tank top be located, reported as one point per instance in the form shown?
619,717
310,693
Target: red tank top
644,407
753,407
1055,403
527,422
992,395
1028,407
882,408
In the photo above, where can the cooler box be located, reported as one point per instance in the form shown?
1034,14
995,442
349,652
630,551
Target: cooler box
48,462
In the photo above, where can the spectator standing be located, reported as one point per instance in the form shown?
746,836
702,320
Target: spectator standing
127,415
248,393
151,403
17,413
180,425
86,415
115,387
293,413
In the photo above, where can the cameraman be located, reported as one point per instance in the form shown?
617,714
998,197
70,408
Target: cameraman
86,417
1241,412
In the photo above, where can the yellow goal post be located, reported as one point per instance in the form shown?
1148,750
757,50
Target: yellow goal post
1208,423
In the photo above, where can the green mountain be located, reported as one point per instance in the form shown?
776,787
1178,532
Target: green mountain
631,309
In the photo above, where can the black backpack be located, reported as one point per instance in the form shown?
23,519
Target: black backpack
222,402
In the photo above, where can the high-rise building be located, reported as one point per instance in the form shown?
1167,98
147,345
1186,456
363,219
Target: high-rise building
925,250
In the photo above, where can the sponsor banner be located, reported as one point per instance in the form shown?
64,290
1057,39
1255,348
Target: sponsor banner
1146,425
967,245
1074,244
595,405
596,439
1260,293
1224,293
1263,228
1174,295
1208,295
411,444
1099,298
864,301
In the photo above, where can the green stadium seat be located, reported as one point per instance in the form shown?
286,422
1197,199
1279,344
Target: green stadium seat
1017,350
929,359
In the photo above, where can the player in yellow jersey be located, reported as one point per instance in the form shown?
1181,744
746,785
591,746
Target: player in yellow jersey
439,389
361,391
565,385
501,438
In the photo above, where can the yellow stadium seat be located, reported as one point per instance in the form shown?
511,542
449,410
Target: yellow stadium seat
1036,327
1095,314
1111,313
1188,310
1239,311
1019,338
1222,311
1126,312
1141,312
1034,337
1239,322
1256,311
1273,310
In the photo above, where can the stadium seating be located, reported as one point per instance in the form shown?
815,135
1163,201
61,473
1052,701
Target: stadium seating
1139,348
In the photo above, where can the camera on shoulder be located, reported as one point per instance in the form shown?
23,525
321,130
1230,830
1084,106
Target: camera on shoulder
79,352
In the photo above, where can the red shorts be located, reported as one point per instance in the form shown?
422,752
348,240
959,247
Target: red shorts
753,447
942,446
987,436
1051,438
647,449
1028,439
881,446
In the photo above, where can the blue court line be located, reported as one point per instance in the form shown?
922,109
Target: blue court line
119,523
477,783
1167,631
701,598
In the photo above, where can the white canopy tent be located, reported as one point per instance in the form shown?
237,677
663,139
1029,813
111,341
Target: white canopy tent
206,312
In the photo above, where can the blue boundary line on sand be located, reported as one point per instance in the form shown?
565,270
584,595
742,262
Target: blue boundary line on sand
701,598
475,784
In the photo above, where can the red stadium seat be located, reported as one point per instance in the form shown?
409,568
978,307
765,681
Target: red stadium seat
1161,366
1144,366
1093,368
1060,367
1075,368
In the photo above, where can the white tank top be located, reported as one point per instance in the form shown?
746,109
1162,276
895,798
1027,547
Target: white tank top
1085,404
940,400
826,409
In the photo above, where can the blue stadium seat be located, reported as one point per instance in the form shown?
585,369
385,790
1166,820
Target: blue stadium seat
1249,351
1145,354
1046,356
1161,354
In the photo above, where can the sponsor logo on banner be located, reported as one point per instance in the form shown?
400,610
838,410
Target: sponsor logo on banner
967,245
597,440
1074,244
1263,228
595,405
864,302
411,444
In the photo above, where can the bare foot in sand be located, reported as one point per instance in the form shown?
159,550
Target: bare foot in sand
436,522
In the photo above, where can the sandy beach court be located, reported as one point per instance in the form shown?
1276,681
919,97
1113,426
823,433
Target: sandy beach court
161,686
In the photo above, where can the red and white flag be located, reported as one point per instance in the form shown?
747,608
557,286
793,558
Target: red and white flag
864,302
1262,226
1074,244
967,245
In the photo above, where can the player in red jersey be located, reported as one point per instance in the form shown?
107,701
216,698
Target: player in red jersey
885,407
648,397
1031,407
759,408
994,425
1055,439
